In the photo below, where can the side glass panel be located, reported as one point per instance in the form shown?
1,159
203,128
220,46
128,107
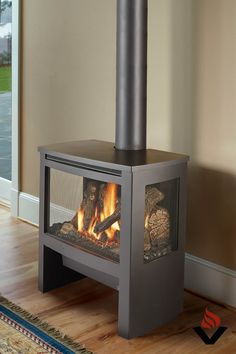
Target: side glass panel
85,213
161,219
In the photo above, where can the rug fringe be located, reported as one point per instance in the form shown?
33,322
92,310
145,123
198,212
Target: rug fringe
44,326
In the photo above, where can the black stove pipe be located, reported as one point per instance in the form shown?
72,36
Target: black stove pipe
131,81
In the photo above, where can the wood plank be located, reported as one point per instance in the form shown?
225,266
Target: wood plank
87,310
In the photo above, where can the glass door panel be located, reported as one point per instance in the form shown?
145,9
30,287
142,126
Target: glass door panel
85,213
5,88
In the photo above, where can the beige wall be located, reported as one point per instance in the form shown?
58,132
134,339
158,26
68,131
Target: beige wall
68,93
68,79
212,196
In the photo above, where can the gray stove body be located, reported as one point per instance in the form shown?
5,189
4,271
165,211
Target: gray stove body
150,294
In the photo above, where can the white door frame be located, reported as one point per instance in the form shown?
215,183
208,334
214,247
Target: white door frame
9,189
15,184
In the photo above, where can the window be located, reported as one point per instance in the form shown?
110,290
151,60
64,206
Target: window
5,88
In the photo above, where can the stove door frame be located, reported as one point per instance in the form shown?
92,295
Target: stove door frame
55,255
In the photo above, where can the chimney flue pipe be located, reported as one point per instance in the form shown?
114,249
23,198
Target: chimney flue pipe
131,80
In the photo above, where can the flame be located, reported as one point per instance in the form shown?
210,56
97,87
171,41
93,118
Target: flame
210,320
80,216
146,221
92,225
109,202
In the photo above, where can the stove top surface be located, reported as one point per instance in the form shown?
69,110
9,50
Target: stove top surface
105,152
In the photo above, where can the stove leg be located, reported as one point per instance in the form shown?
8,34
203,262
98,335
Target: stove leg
130,321
150,294
147,308
123,316
52,273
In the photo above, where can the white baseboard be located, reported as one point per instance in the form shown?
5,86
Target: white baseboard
210,280
5,191
201,276
29,210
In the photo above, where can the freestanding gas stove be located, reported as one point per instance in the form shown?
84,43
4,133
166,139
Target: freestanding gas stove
117,213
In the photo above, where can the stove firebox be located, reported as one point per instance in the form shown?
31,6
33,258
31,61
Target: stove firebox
96,221
117,217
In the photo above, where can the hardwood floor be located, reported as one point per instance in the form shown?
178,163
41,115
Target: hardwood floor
87,310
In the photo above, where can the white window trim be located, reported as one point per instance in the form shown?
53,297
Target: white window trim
9,190
15,184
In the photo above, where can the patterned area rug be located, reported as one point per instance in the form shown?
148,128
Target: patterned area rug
21,333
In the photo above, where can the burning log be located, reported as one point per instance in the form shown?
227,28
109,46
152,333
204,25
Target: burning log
109,221
74,221
103,237
97,213
67,227
88,205
152,197
117,236
157,220
147,241
159,226
101,197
